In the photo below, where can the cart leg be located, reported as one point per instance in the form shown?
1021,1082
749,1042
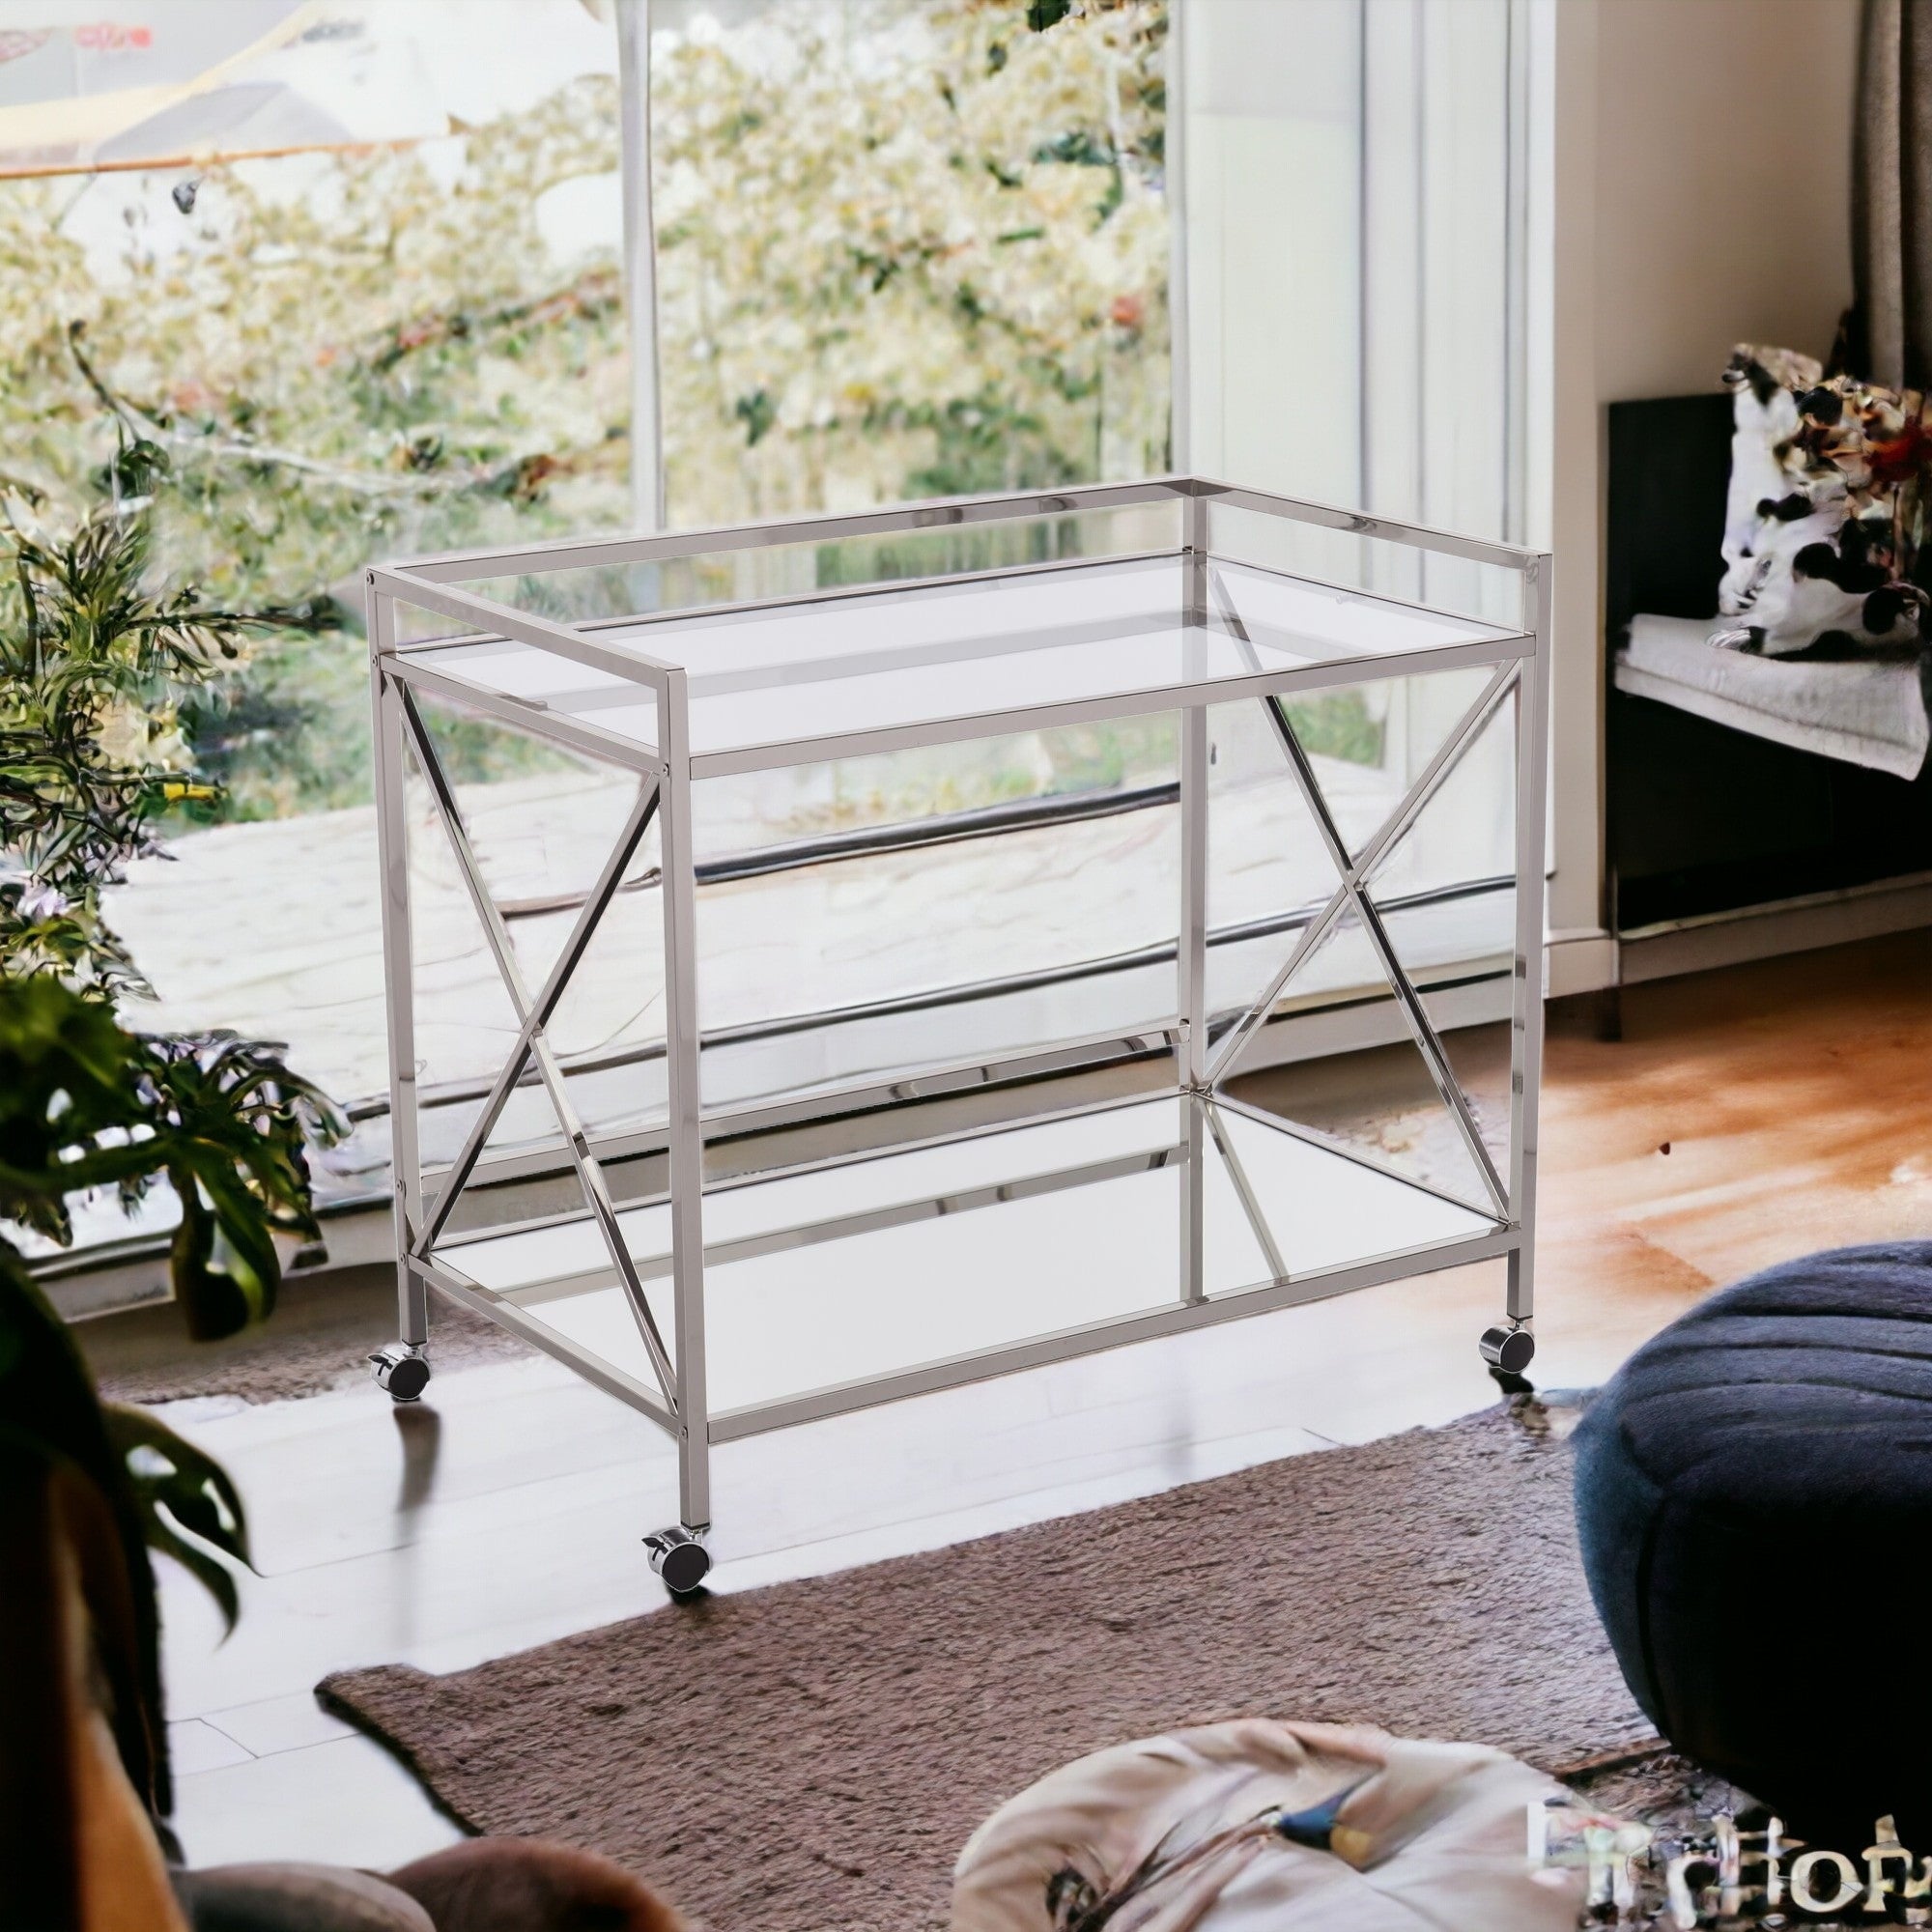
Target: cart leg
1191,996
402,1368
1510,1346
679,1555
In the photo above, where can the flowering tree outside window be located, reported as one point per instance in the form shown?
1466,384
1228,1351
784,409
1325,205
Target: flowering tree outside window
904,247
911,250
339,357
905,250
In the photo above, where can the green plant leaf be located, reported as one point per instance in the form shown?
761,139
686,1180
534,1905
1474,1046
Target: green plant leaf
214,1578
84,1103
190,1506
214,1303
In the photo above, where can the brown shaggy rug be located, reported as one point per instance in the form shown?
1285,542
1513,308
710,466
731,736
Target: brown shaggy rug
814,1755
319,1338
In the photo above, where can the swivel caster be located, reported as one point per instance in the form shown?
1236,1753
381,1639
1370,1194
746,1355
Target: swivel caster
1508,1346
402,1369
680,1558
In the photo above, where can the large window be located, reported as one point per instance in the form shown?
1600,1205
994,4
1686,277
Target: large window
1355,248
383,278
356,271
1355,253
907,248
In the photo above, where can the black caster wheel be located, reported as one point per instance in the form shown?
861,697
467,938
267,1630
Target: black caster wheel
402,1369
679,1558
1508,1348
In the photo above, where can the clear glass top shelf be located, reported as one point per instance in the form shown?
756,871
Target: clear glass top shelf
830,674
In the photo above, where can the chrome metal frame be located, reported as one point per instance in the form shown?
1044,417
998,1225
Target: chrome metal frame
1204,1048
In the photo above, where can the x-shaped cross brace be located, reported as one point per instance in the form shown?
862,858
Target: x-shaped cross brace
533,1014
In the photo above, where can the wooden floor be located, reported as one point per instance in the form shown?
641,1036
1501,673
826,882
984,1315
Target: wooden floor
1746,1117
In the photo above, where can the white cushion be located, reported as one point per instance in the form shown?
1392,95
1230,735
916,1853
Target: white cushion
1866,711
1423,1835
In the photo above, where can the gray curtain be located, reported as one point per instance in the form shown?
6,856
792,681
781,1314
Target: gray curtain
1888,335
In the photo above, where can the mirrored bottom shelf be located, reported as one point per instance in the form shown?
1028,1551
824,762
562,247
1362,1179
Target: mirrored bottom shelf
874,1277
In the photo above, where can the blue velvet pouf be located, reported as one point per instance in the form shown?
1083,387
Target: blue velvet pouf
1755,1503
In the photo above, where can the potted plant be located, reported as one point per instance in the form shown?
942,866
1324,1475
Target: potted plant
96,665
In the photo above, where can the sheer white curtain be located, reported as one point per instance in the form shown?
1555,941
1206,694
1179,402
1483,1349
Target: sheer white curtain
1355,257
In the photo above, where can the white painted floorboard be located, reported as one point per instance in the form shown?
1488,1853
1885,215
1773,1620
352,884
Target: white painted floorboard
507,1509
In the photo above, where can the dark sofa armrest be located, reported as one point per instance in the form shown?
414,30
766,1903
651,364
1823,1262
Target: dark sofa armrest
1670,474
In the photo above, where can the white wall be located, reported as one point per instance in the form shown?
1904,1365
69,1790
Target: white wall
1723,184
1700,155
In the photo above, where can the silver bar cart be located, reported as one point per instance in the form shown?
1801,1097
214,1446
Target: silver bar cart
707,1231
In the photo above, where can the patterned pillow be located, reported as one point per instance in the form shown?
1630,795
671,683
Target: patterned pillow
1821,528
